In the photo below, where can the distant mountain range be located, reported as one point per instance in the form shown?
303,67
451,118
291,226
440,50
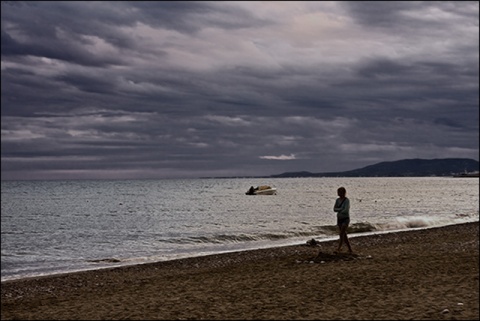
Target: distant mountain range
402,168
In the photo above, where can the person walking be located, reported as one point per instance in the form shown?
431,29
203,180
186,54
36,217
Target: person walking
342,208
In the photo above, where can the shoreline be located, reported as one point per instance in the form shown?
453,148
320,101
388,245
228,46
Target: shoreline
260,247
416,274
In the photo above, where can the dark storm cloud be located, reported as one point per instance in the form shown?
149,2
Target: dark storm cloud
411,16
188,89
56,35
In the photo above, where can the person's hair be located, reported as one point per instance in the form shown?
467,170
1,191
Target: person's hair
342,191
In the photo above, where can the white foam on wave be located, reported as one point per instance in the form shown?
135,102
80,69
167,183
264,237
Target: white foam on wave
424,222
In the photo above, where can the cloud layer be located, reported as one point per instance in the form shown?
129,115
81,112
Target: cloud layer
192,89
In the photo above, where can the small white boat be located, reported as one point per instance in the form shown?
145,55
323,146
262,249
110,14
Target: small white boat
262,190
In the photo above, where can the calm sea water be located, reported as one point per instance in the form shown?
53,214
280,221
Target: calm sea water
51,227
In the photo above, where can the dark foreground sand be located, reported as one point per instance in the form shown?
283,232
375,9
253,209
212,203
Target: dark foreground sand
428,274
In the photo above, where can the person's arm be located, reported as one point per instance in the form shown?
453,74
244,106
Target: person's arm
336,208
344,207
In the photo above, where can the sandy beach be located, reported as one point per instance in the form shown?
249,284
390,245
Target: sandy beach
428,274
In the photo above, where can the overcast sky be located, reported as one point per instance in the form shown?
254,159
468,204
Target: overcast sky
101,90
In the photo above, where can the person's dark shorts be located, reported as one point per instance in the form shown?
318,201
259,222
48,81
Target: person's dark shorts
342,221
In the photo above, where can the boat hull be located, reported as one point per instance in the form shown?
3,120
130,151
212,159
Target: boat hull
271,191
262,190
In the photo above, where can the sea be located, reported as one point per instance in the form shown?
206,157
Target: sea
52,227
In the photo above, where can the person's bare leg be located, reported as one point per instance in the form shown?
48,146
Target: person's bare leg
341,237
347,242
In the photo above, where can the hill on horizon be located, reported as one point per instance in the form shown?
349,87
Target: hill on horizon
402,168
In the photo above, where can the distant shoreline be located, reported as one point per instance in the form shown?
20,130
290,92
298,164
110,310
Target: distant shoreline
474,175
445,167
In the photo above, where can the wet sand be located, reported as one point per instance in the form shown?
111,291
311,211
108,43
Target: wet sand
428,274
